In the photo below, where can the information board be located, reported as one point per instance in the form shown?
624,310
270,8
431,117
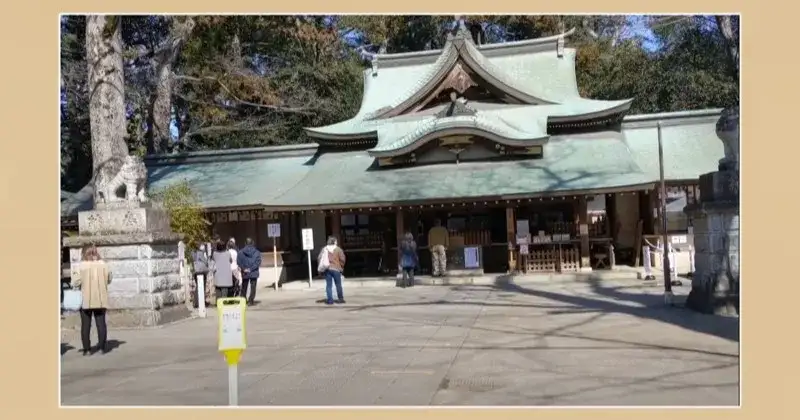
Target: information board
274,230
231,319
472,257
308,239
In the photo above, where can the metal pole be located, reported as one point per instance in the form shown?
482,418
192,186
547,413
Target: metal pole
309,268
664,238
275,261
201,295
233,384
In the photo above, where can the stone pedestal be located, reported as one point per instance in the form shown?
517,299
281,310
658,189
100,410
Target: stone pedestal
715,284
142,254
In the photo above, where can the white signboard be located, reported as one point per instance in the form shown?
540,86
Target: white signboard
308,239
680,239
522,239
583,229
231,326
471,257
523,249
274,230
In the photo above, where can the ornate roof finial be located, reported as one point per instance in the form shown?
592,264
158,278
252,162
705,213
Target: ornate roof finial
460,27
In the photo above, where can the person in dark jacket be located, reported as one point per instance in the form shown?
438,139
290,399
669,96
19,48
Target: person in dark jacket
249,260
409,260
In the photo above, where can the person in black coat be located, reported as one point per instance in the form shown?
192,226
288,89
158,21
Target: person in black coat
249,260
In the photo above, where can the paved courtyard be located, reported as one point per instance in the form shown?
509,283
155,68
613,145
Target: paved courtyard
537,343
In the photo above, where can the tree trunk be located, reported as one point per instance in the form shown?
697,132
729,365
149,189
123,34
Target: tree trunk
725,24
160,112
106,90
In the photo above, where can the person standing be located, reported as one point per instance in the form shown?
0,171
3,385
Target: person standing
409,260
237,273
438,242
221,269
249,261
93,283
331,262
200,265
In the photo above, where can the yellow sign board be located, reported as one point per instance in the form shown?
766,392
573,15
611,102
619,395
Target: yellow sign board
232,333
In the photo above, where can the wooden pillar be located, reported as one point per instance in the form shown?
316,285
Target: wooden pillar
511,238
400,232
336,225
583,232
653,212
613,217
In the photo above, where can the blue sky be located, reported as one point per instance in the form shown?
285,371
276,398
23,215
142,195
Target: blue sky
638,27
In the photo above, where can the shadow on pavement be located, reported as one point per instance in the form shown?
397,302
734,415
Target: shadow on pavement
651,307
65,348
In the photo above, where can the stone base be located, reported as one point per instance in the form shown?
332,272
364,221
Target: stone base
715,280
141,252
704,300
131,318
478,272
719,187
124,220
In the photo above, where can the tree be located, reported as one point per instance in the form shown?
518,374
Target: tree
106,84
76,149
693,66
728,26
185,212
160,110
258,80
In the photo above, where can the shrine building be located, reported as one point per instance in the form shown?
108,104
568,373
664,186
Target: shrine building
493,140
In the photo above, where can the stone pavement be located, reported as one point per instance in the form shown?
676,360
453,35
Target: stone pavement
600,342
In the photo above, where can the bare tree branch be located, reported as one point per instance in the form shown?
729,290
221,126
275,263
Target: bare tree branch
588,28
277,108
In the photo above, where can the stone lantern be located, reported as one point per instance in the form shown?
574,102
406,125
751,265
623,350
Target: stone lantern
715,284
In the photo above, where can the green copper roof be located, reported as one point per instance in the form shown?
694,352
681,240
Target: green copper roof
690,144
236,178
569,164
533,68
396,137
299,176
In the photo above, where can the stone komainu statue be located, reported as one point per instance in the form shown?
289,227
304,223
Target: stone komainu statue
728,132
129,172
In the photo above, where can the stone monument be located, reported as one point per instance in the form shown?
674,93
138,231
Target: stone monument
133,237
715,218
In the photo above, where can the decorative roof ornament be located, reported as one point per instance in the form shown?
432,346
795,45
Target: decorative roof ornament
374,65
374,60
458,106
